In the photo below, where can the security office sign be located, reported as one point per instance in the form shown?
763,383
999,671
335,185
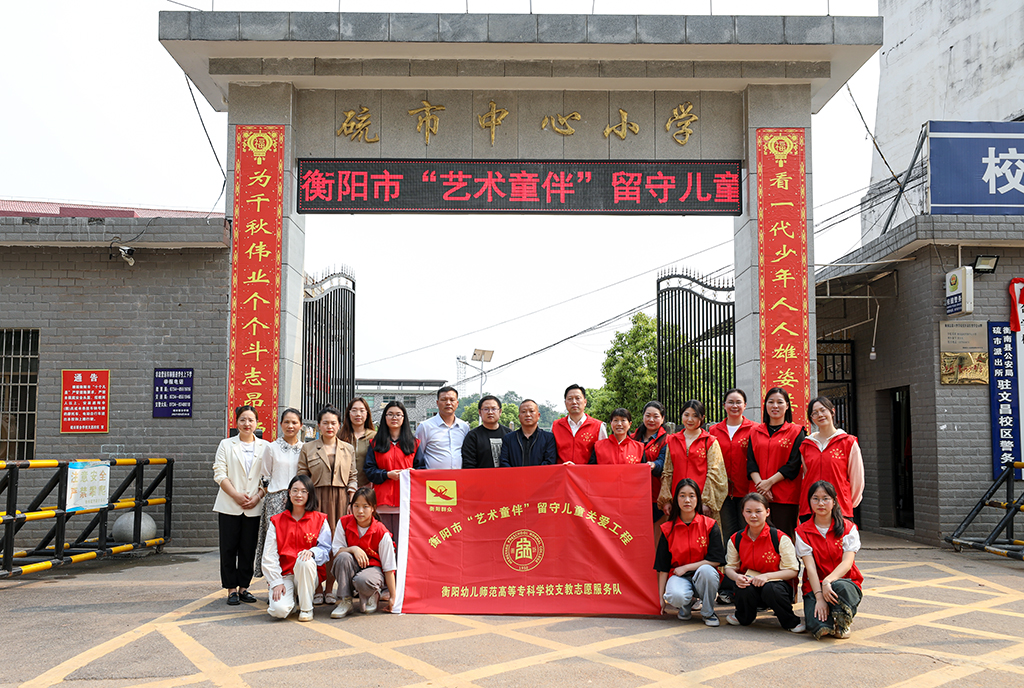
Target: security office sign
976,168
960,291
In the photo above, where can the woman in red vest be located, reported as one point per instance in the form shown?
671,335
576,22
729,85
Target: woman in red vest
694,453
733,435
620,447
653,436
688,553
828,544
296,551
761,560
364,556
832,455
774,460
394,449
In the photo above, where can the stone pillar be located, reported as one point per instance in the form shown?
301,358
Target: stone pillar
766,106
275,103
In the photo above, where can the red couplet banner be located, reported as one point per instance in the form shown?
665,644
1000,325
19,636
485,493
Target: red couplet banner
533,540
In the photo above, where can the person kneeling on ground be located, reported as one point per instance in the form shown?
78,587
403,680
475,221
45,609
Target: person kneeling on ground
828,544
762,561
292,567
364,556
689,551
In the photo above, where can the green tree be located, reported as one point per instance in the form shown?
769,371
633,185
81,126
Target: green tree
630,370
465,402
509,413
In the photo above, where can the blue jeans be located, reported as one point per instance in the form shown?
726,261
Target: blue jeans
702,584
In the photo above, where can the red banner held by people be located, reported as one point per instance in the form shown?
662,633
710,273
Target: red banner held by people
534,540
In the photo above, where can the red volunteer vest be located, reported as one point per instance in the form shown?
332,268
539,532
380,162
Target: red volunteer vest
772,453
609,451
370,541
688,543
832,465
691,464
761,554
392,460
828,552
734,453
652,448
295,536
575,449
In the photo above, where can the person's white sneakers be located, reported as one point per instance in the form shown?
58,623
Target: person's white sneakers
343,608
711,621
370,605
306,616
732,620
799,628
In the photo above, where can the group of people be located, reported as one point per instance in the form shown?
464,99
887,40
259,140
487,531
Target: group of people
756,500
307,516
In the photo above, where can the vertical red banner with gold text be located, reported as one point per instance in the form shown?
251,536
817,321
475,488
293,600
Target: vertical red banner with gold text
782,264
256,272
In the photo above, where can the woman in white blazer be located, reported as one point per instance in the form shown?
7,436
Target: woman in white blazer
238,470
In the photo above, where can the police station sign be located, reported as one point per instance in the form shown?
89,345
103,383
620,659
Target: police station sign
976,168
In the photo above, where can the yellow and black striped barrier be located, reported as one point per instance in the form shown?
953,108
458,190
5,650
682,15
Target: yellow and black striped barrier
54,549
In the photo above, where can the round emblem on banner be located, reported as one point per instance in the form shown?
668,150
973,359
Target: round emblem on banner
953,282
523,550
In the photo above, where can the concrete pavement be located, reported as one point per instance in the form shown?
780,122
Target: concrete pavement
930,617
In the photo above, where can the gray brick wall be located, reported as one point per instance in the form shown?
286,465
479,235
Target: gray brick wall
950,424
169,309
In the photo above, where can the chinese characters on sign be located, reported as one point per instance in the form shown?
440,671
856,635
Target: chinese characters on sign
88,485
975,168
85,401
172,392
357,123
782,263
1003,347
396,186
256,272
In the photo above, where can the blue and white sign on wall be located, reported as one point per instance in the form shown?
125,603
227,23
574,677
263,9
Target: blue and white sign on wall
1003,347
976,168
172,392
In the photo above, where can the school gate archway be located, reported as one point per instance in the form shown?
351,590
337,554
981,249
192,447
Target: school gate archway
617,100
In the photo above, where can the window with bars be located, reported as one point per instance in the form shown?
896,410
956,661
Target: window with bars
19,375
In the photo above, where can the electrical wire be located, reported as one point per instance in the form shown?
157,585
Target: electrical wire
188,84
545,308
541,350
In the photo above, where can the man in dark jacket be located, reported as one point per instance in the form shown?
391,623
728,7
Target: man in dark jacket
482,446
529,445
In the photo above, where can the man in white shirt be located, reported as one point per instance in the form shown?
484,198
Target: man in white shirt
441,436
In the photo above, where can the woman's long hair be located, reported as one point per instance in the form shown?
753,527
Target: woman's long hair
307,483
406,440
838,520
676,512
347,434
765,418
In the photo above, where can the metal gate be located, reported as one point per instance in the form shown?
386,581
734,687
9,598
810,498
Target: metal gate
696,342
835,380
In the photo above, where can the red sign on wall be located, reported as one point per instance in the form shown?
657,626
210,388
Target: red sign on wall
533,540
782,263
85,401
256,273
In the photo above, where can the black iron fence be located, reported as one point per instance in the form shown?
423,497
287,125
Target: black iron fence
696,342
54,548
328,325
